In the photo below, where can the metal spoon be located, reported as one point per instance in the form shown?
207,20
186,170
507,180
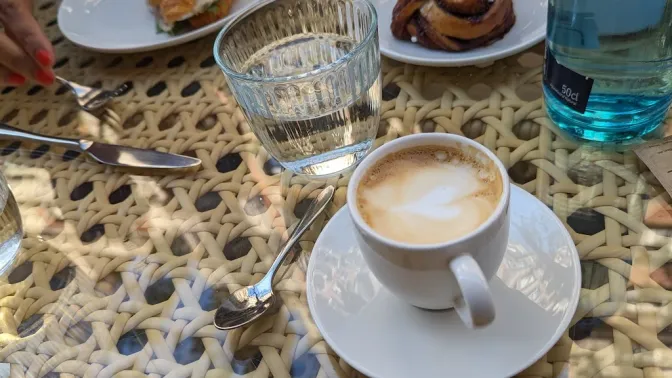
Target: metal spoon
248,303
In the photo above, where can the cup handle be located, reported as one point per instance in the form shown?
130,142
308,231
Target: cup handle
475,307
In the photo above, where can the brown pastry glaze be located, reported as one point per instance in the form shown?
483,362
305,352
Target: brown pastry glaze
464,7
431,24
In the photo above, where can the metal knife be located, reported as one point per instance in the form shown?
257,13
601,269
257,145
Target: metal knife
109,154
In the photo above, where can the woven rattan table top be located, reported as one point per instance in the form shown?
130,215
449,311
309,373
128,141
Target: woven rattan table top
119,274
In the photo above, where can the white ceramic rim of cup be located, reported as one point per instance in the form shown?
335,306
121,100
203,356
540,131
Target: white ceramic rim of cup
428,139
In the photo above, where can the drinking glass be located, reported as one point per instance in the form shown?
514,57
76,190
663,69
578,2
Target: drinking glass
306,74
11,228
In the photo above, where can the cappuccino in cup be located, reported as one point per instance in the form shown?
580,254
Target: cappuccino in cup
429,194
432,221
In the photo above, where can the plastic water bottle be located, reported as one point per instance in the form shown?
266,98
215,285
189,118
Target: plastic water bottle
608,70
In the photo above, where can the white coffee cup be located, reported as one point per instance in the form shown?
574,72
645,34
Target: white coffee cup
452,274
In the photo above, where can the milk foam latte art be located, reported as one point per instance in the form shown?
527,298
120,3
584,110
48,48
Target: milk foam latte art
429,194
432,218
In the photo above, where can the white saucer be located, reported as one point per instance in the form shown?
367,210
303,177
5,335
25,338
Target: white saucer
536,292
529,29
126,26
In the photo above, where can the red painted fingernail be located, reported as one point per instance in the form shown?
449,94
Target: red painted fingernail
45,77
15,79
44,57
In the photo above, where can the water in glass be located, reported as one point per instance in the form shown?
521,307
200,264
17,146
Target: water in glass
11,229
310,89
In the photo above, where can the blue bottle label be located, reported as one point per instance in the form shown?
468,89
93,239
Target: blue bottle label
571,88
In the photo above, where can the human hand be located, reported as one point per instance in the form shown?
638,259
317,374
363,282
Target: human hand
25,52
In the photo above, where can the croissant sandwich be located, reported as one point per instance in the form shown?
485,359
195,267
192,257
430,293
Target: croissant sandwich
176,15
452,25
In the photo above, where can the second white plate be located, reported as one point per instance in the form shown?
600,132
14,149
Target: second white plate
125,26
529,29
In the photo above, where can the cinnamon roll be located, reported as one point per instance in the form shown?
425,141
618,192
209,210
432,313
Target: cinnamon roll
452,25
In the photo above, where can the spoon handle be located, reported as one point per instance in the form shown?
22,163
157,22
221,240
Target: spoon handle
314,210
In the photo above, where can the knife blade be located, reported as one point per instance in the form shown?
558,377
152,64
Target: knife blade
109,154
122,156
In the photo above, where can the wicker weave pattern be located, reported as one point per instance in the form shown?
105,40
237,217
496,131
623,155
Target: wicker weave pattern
119,273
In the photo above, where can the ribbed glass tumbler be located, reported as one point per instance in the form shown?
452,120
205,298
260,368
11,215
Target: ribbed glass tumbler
11,228
306,74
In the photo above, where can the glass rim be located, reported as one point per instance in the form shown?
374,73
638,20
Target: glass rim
228,71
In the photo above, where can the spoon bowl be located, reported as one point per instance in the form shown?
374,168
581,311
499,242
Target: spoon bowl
242,307
247,304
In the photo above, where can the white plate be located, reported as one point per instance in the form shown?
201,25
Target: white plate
125,26
536,292
529,29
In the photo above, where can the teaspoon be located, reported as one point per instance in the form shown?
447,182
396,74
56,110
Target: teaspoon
249,303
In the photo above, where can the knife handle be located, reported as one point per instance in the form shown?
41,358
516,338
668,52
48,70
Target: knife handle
9,132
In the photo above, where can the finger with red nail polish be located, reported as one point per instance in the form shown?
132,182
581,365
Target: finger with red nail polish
45,77
22,28
9,78
15,79
15,60
44,57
